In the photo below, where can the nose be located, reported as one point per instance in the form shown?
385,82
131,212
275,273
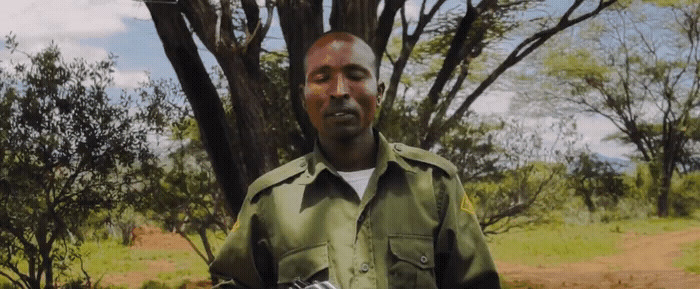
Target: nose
341,89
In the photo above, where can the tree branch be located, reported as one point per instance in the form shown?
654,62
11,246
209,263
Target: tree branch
194,247
408,42
202,95
523,49
385,26
358,17
15,282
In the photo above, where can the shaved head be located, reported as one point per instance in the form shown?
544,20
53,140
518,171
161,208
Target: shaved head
335,39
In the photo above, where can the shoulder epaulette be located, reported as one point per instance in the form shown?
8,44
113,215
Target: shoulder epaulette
424,156
277,175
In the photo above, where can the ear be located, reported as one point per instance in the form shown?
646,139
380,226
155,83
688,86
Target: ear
380,93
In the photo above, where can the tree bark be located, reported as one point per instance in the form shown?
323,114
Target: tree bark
241,65
358,17
216,134
385,26
302,23
408,42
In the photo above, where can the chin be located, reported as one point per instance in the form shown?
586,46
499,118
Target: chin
346,134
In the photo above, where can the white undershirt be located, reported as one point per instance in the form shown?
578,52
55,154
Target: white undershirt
358,180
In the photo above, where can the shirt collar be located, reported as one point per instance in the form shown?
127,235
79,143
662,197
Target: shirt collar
317,162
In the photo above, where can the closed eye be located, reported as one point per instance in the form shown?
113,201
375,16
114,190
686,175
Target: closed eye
356,72
319,77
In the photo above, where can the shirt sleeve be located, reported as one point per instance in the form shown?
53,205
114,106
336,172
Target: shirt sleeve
462,257
244,259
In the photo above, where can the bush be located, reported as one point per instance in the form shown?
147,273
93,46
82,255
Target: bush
684,197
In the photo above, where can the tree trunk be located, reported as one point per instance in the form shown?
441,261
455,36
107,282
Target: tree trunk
588,201
668,165
385,25
216,134
258,154
301,23
357,17
35,283
48,273
662,201
207,248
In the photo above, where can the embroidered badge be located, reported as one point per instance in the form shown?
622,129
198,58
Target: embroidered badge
467,205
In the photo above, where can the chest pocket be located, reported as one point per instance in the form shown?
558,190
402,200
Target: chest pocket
413,262
306,264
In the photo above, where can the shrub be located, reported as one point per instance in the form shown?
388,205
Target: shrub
684,198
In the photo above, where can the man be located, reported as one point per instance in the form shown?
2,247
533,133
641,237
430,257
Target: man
357,212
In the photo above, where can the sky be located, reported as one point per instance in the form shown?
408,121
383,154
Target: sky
92,29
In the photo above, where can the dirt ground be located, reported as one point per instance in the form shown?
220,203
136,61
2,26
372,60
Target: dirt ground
153,238
643,262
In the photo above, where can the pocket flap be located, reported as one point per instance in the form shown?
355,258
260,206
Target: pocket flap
302,263
417,250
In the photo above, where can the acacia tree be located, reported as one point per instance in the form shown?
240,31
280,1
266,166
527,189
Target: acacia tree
233,32
66,151
640,71
528,178
596,181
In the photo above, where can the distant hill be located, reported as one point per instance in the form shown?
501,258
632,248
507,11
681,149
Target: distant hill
620,165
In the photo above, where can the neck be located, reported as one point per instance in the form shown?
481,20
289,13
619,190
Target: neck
358,153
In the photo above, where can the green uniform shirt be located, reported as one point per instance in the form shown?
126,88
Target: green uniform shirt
413,228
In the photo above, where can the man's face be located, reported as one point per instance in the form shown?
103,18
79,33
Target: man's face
341,90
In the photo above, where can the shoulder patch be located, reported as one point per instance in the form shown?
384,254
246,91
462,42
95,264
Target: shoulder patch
277,175
467,205
424,156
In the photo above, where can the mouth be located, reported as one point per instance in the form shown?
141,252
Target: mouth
341,114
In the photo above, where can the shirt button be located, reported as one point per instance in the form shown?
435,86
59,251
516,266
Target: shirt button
423,259
303,164
364,268
361,218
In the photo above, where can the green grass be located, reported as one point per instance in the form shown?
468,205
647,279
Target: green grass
654,226
109,257
546,245
690,260
551,245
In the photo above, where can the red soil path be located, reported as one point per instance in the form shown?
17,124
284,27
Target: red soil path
643,262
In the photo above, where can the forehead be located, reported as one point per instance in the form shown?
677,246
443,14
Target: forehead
339,50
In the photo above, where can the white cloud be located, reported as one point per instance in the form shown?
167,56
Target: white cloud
70,49
594,129
130,79
496,102
69,18
412,10
36,23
